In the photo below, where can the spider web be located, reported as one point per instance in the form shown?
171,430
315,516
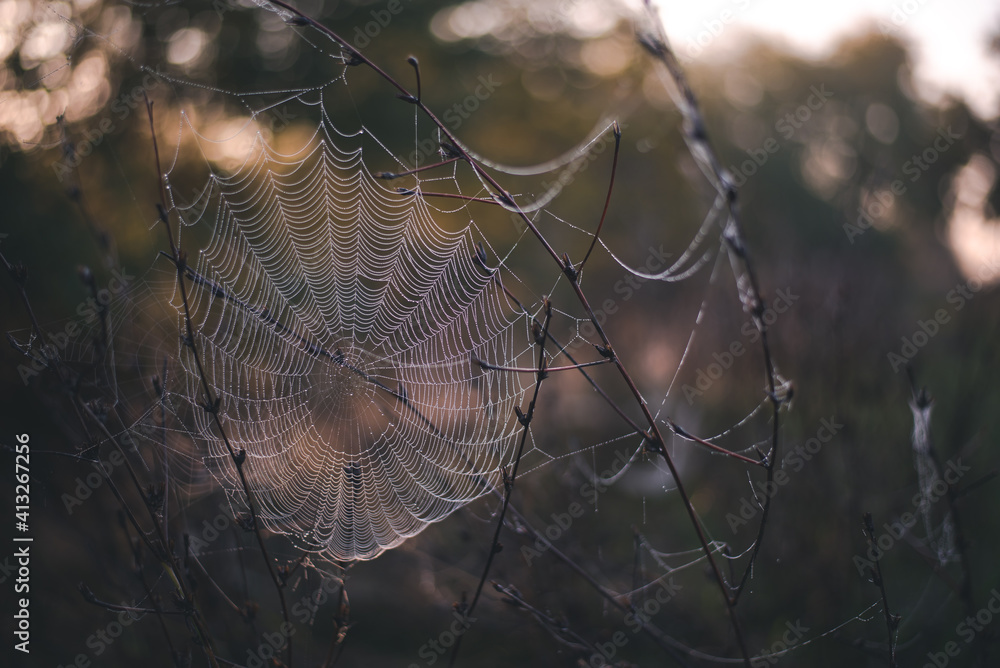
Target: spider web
340,312
339,323
339,315
340,318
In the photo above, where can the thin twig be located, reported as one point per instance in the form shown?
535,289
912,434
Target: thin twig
89,596
659,49
891,620
521,369
162,552
607,200
341,625
85,414
920,406
697,136
464,198
416,170
662,640
683,433
559,630
305,345
525,420
211,403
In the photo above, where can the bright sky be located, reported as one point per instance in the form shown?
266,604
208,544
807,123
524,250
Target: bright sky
951,36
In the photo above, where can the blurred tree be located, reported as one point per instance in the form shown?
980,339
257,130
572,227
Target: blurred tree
816,147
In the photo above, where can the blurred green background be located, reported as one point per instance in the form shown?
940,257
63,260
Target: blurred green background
816,146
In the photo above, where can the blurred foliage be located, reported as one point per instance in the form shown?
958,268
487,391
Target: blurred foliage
856,298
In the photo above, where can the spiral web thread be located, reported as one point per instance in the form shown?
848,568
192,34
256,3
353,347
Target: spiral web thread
338,323
339,320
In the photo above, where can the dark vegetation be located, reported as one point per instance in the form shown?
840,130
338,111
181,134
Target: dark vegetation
845,285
